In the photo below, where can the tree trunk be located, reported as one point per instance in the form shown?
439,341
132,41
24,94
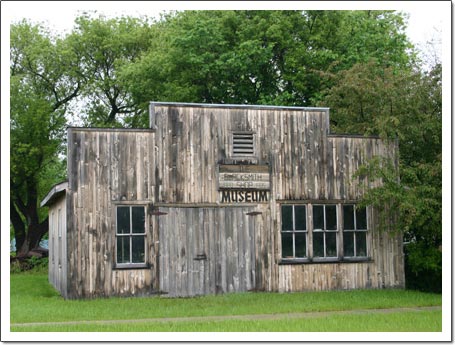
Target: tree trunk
28,233
34,235
18,225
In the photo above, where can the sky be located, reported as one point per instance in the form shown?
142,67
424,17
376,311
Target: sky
59,15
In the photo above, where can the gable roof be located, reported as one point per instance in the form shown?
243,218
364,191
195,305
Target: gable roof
55,192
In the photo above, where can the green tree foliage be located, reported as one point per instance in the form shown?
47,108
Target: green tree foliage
260,57
102,47
40,90
403,105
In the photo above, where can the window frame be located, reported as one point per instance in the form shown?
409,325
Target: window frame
130,235
355,231
293,232
324,232
310,258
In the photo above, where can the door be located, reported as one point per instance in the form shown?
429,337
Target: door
206,250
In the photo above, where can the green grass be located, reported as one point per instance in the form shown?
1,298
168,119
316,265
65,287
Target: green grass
34,300
422,321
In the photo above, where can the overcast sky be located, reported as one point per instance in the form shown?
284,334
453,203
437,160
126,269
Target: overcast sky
426,17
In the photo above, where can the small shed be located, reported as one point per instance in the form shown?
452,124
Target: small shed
215,199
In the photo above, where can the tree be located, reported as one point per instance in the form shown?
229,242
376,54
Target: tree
42,84
101,47
403,105
261,57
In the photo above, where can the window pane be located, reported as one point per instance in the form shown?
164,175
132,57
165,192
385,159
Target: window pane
300,244
361,214
331,217
361,243
318,244
348,217
138,245
300,217
286,245
123,249
286,217
348,243
318,217
123,220
138,220
331,244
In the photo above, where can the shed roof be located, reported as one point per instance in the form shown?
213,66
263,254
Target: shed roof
55,192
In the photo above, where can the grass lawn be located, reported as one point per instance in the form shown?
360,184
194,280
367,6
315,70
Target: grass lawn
34,300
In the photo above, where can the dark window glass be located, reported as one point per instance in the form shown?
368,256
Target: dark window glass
286,217
318,244
300,244
138,249
348,243
348,217
331,244
300,217
138,220
130,247
331,217
361,243
123,220
123,249
286,245
318,217
361,218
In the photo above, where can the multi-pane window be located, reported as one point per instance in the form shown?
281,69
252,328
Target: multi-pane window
293,231
130,235
324,231
354,231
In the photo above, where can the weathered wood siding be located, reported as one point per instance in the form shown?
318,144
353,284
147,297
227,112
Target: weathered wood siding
195,243
191,142
58,264
306,164
106,168
343,156
385,269
206,250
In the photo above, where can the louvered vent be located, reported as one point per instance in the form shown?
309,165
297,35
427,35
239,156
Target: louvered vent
243,144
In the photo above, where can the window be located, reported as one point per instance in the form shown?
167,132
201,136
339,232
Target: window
130,235
242,144
325,231
354,231
293,231
328,232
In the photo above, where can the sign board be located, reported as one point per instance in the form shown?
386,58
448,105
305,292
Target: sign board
244,196
250,177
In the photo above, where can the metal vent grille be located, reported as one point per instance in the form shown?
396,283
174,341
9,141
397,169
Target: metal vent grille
243,144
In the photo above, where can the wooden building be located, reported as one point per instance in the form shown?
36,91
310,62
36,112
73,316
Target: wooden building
215,199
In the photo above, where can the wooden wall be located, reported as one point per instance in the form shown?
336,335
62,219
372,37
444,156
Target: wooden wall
173,170
58,265
207,250
106,168
384,269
